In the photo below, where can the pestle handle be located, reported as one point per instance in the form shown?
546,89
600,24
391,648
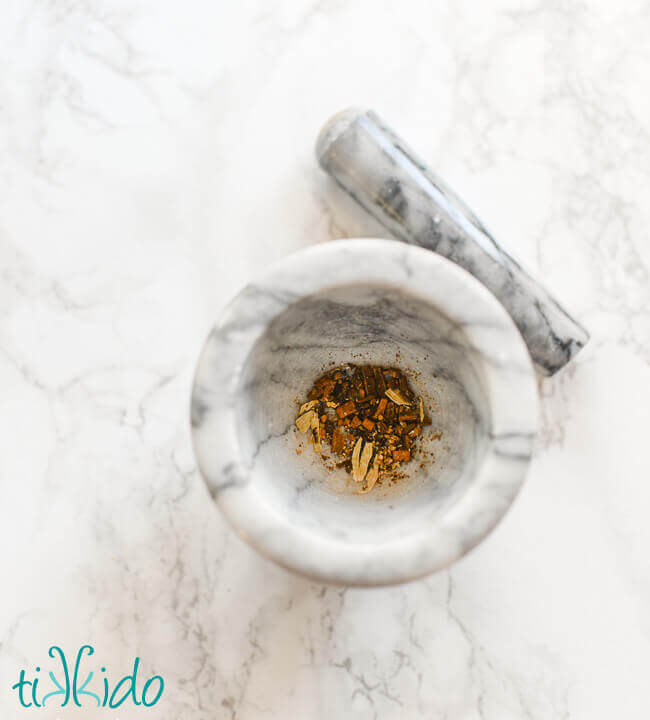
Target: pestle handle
385,177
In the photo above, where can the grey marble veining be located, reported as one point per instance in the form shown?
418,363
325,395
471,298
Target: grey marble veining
364,301
385,176
130,131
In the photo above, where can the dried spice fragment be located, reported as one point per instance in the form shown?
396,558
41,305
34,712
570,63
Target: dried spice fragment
364,461
369,416
381,408
315,426
346,409
356,454
371,478
396,396
303,422
338,440
306,406
401,455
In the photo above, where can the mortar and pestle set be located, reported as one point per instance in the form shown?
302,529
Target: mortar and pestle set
467,321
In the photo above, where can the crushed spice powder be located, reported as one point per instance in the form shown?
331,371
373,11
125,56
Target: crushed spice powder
369,416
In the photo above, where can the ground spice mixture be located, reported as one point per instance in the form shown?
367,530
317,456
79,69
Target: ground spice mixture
370,418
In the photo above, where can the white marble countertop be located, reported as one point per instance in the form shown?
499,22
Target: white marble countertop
153,156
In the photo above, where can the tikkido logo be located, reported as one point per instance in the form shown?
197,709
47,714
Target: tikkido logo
72,692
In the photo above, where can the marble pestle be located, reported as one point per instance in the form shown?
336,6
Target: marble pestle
385,177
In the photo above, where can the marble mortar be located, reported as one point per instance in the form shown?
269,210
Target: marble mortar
364,301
